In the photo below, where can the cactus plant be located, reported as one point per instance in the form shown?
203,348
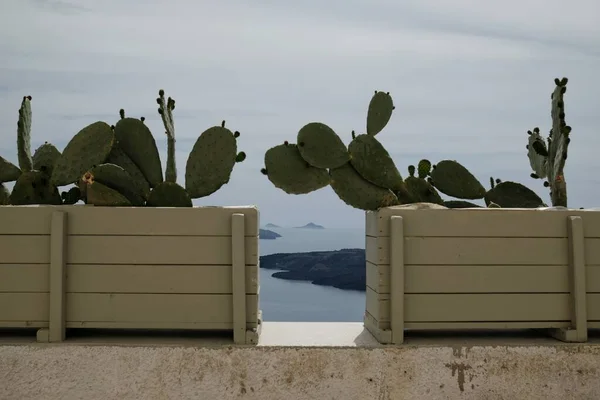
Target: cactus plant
321,147
548,161
211,161
116,165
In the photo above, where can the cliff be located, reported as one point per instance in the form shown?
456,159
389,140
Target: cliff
342,269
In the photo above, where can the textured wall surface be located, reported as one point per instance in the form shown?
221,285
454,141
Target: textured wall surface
47,372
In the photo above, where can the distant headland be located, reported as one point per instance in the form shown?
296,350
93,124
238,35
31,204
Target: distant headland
267,234
272,226
342,269
311,225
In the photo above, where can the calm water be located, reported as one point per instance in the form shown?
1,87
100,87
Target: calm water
282,300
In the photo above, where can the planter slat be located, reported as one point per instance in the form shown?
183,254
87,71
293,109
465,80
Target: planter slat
481,307
143,221
192,250
142,268
482,268
478,278
483,222
120,307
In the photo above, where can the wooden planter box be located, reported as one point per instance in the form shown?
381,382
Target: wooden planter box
482,269
129,268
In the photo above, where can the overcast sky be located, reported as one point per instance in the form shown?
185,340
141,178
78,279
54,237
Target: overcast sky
468,79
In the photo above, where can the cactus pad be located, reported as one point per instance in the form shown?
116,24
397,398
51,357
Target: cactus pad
116,178
380,112
210,162
4,195
452,179
422,191
372,161
8,171
169,194
118,157
424,169
537,152
45,157
513,195
321,147
24,135
34,187
288,171
98,194
357,192
136,140
87,148
460,204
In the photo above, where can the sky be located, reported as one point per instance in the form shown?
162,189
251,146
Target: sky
468,79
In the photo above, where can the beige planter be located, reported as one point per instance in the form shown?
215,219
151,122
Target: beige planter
146,268
482,269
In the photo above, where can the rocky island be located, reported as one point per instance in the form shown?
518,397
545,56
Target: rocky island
267,234
342,269
310,225
271,226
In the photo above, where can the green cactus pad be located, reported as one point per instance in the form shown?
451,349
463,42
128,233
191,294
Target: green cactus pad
380,112
136,140
321,147
34,187
4,195
87,148
116,178
452,179
45,157
460,204
24,135
118,157
72,196
288,171
372,161
537,152
424,169
98,194
169,194
357,192
513,195
210,162
422,191
8,171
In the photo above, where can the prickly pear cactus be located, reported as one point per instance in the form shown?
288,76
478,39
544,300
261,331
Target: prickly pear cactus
288,171
357,192
34,187
101,195
169,194
380,111
548,160
72,196
372,161
4,195
136,140
8,171
24,135
45,157
321,147
116,178
211,161
118,157
452,179
87,148
513,195
421,190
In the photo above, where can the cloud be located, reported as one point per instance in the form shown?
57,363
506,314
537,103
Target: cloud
468,80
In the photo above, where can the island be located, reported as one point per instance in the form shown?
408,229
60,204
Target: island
342,269
267,234
310,225
272,226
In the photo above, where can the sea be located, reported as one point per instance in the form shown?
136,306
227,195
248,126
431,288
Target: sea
298,301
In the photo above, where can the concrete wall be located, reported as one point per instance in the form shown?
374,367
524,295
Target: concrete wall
66,372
